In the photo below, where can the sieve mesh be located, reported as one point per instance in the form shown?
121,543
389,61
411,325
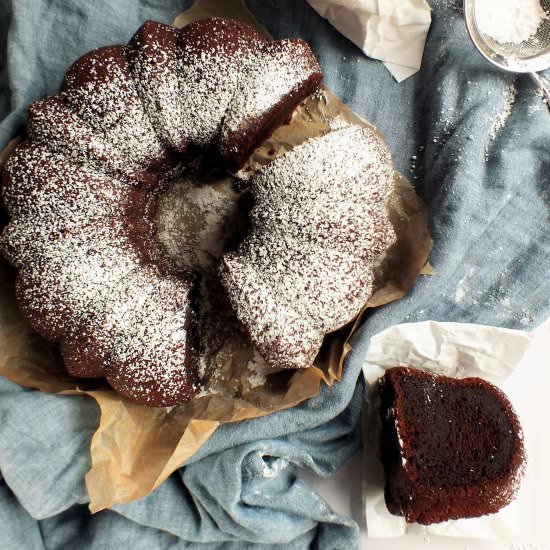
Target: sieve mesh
527,56
538,44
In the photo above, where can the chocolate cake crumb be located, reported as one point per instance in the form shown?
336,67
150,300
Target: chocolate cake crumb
452,448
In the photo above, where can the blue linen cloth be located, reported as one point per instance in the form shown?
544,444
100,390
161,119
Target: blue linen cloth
480,161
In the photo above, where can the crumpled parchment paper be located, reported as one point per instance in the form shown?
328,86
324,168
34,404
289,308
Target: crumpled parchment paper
393,31
510,359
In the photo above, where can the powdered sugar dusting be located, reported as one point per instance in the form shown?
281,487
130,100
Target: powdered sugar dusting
56,127
154,62
100,90
213,54
319,229
68,276
258,369
462,287
82,272
39,182
193,218
510,96
147,319
264,82
509,21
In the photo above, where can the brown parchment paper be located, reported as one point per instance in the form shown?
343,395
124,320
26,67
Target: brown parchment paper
135,448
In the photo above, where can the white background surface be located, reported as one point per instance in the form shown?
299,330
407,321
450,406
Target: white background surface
530,394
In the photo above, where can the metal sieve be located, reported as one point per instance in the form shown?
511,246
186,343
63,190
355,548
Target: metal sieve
529,56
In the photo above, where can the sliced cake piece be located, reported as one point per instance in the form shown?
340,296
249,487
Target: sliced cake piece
272,84
452,448
302,272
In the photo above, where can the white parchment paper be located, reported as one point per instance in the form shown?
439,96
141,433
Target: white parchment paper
393,31
509,359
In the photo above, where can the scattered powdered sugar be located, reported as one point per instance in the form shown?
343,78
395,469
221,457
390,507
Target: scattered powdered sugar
79,263
540,98
66,237
195,220
224,348
319,229
272,468
258,369
510,95
337,123
501,116
462,287
509,21
450,126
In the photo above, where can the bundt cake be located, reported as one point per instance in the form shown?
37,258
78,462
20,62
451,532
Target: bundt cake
319,228
82,191
451,448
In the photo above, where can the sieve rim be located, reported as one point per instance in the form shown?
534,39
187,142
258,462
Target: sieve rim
529,64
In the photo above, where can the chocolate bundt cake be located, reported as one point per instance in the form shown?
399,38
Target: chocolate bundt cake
319,228
452,448
82,191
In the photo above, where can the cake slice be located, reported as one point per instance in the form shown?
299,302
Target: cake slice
271,85
452,448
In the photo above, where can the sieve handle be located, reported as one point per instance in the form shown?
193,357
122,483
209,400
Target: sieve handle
543,87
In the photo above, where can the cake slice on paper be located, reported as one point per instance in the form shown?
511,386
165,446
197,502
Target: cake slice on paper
452,448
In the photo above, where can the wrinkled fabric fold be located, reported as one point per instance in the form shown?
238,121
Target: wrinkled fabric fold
244,491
